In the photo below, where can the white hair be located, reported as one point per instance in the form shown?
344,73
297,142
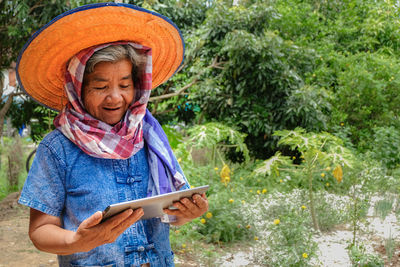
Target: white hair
114,53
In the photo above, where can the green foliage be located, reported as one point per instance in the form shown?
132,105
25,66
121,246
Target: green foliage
359,257
385,146
228,222
373,177
260,72
174,137
383,207
390,247
20,19
30,113
12,157
218,138
366,95
283,229
290,242
186,14
319,152
270,65
331,210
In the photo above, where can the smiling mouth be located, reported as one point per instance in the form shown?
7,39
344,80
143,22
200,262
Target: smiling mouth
111,109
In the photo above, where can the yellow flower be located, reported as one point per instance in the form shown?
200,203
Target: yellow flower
241,178
341,124
293,157
209,215
255,238
248,226
225,172
338,173
231,189
328,169
305,255
281,181
327,184
303,207
322,175
264,191
243,201
203,221
216,168
277,221
259,192
231,200
183,245
192,186
251,190
179,160
227,179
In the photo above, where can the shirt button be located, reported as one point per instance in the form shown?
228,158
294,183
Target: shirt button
141,248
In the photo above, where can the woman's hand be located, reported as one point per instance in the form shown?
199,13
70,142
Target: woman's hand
187,209
47,234
91,233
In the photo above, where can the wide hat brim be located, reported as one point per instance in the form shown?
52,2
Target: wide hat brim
42,62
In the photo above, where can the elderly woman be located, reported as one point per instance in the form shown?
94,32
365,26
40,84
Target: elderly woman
107,147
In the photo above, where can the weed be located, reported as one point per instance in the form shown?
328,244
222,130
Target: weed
359,257
383,207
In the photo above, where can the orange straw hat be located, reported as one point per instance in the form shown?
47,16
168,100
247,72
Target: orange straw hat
43,60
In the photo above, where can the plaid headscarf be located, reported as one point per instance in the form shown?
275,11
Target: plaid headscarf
123,140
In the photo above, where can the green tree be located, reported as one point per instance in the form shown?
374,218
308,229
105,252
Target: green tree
321,152
18,21
321,65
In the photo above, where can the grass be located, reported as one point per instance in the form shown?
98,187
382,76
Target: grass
384,207
6,149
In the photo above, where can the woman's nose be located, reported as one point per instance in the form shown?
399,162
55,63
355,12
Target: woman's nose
114,94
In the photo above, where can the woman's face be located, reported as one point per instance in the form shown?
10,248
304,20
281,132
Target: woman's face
109,91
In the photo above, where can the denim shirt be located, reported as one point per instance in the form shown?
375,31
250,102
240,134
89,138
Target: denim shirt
67,183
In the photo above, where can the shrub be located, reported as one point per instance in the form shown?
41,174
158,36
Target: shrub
359,257
283,228
15,163
226,221
385,146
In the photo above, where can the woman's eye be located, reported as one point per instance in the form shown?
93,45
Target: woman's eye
124,86
100,88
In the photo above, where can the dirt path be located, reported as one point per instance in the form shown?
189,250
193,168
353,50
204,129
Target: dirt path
16,249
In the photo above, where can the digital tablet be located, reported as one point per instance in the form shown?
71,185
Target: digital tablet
153,206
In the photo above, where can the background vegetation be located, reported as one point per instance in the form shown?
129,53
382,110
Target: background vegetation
288,109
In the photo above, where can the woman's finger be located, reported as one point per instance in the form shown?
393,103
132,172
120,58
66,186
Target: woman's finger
93,220
201,202
134,217
117,219
189,206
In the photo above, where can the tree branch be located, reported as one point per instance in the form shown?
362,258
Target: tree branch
7,105
13,94
215,64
